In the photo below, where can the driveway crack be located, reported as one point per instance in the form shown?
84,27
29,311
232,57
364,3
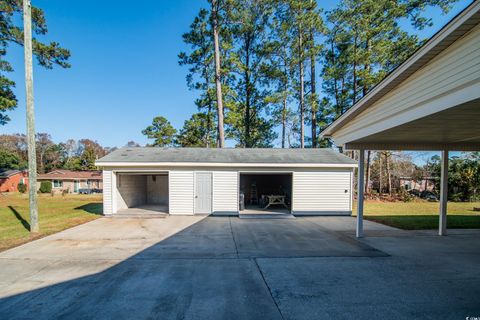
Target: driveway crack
233,236
268,287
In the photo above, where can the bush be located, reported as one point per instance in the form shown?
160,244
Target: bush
22,187
404,195
45,187
456,197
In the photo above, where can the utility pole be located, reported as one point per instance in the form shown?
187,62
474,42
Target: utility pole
32,157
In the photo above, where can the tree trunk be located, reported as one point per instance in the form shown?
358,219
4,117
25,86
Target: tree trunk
367,169
366,69
380,167
389,177
247,143
314,98
284,120
218,83
209,126
209,108
302,89
335,85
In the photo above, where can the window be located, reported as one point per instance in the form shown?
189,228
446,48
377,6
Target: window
57,183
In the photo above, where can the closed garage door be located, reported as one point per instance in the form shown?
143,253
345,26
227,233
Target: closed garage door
322,192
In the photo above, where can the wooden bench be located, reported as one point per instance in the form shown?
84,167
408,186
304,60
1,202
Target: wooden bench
275,200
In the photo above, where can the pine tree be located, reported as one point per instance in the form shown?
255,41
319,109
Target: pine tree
48,54
247,118
161,131
200,60
196,132
303,20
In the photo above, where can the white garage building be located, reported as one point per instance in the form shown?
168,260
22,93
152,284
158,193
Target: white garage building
187,181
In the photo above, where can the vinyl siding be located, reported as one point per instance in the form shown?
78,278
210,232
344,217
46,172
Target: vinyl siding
107,192
322,191
181,192
455,69
225,192
315,191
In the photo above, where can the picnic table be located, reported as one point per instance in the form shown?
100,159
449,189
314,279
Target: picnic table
274,200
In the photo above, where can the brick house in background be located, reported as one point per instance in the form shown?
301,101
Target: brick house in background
73,181
425,184
10,178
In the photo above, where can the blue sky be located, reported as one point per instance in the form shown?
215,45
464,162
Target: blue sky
124,68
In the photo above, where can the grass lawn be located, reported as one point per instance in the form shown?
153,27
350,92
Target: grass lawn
419,214
55,214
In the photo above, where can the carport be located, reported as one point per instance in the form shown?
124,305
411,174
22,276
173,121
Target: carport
142,192
431,102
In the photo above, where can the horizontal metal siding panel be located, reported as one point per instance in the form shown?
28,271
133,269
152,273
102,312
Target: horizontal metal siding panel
319,191
225,191
107,192
181,192
457,66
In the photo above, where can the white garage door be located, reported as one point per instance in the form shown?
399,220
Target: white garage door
322,192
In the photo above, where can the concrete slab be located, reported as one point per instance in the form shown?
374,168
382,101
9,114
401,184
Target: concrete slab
270,211
294,238
420,279
266,216
191,267
160,289
103,239
143,211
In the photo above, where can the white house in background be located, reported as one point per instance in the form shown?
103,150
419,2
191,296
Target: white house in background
187,181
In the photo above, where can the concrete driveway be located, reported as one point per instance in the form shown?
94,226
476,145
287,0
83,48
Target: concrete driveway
230,268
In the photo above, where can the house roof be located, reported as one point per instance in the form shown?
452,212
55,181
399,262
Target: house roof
225,156
451,32
6,173
70,175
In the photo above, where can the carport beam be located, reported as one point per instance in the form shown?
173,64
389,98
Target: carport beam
442,225
360,195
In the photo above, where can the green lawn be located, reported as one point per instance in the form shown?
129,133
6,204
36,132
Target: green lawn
418,214
55,214
59,213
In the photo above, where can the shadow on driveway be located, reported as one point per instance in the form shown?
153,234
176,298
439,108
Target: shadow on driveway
206,271
230,268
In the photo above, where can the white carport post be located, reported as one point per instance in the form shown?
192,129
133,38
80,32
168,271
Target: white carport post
442,225
360,195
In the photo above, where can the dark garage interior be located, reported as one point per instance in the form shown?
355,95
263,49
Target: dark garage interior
257,190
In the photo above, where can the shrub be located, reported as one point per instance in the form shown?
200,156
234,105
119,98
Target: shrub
22,187
404,195
45,187
456,197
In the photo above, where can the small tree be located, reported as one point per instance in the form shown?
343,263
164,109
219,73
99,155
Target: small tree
8,159
196,132
162,131
22,187
45,187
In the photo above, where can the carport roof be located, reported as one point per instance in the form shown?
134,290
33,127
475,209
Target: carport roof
152,155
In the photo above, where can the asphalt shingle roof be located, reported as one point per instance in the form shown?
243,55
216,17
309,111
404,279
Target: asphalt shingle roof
227,155
61,174
5,173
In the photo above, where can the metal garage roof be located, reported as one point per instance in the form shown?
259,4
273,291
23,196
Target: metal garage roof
225,156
